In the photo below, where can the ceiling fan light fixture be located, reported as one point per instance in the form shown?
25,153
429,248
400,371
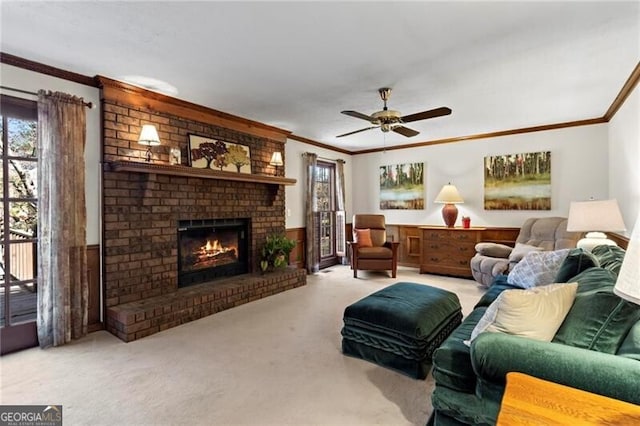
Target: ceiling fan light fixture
387,127
385,93
390,120
387,115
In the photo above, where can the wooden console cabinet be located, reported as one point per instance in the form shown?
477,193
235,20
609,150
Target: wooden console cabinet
448,251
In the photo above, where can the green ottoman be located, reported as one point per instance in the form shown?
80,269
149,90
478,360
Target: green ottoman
400,326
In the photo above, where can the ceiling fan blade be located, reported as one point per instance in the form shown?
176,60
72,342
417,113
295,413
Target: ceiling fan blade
359,115
405,131
357,131
438,112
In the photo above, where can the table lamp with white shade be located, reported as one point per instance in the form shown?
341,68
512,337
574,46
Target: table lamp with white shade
149,137
595,217
628,282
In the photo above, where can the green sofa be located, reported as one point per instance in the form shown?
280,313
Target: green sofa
596,349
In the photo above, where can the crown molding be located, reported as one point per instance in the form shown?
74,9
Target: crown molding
319,144
38,67
624,93
128,94
577,123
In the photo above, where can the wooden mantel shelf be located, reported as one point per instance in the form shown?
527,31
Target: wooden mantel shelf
175,170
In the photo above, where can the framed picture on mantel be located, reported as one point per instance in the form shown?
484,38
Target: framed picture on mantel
208,153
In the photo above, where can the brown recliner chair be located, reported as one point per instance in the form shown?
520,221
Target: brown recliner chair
547,233
375,253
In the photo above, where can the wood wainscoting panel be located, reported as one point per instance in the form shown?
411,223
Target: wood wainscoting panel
411,242
93,278
410,246
622,241
409,237
505,236
297,257
298,254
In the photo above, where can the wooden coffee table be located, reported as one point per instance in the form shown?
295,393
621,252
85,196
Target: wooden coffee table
531,401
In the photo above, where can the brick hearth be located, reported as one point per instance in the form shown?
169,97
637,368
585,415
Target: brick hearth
134,320
142,210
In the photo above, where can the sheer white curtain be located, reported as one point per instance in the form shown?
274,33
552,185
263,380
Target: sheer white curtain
340,213
62,219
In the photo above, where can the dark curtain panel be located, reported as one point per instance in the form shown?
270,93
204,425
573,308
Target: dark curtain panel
313,257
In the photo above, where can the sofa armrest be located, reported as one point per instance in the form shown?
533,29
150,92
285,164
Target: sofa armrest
494,250
493,355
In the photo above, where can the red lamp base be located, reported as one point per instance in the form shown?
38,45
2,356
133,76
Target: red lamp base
450,215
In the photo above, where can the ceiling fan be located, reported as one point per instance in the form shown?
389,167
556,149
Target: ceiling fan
390,120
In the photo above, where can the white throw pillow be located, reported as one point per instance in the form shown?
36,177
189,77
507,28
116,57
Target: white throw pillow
537,268
536,313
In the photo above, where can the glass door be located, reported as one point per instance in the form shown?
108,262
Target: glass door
18,224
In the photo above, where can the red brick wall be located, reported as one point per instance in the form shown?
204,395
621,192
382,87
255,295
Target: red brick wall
141,210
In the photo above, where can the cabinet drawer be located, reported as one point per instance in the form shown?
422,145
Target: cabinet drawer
447,259
443,235
460,248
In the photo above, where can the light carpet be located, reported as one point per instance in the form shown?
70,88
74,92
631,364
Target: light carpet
273,361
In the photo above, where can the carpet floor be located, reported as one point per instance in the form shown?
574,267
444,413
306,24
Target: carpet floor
274,361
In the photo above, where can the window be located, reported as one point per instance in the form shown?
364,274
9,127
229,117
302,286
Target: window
18,211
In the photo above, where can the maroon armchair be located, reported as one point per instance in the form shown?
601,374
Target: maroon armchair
370,249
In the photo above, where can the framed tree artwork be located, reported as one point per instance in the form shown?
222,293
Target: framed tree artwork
402,186
518,181
208,153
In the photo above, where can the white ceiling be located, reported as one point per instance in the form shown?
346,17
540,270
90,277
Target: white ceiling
296,65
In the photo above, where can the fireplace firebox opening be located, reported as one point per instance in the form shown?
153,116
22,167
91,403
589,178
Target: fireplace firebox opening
211,249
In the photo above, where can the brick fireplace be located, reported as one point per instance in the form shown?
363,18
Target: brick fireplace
146,205
210,249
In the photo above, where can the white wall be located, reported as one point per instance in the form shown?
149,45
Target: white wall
19,78
579,170
294,168
624,159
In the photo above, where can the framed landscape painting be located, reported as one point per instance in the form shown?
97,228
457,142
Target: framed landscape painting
208,153
518,181
402,186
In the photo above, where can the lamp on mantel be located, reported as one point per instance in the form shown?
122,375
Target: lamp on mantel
449,196
628,282
595,217
149,137
276,161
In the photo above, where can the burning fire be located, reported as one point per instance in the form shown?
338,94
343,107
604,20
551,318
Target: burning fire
214,248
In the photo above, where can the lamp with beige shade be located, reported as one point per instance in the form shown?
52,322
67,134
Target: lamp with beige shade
449,196
276,161
595,217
